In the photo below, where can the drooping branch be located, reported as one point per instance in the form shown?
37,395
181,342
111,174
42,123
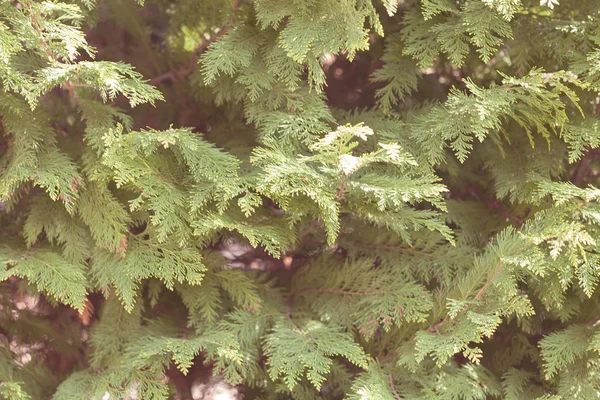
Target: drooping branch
181,72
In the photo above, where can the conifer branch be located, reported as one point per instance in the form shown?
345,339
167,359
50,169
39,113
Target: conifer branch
477,298
46,48
38,30
394,238
181,72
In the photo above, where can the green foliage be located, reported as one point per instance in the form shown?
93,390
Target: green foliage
13,391
217,346
356,199
51,273
291,350
362,295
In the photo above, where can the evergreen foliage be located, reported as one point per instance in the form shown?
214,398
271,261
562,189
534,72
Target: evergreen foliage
314,199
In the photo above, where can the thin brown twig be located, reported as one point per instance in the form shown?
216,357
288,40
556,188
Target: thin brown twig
478,297
341,191
38,30
51,56
435,327
340,291
309,228
393,387
487,285
180,73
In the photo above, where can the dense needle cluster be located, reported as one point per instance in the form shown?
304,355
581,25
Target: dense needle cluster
412,183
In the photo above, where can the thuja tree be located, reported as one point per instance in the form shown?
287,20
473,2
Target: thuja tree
337,199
